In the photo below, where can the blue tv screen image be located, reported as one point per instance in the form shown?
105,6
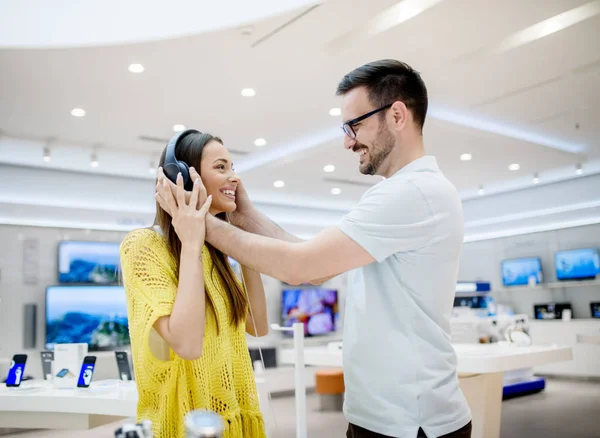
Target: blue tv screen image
577,264
595,309
316,308
88,262
95,315
519,272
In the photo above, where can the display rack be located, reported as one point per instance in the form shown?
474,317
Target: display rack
553,285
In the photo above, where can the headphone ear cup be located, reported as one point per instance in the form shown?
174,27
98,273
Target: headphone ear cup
185,173
171,170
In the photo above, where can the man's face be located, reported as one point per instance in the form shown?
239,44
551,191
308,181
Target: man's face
374,141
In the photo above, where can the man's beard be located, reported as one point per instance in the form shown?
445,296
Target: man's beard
379,151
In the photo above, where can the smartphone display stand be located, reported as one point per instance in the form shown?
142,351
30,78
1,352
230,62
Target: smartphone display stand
67,364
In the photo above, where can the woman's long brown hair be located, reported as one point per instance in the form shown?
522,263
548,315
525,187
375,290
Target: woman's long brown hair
189,149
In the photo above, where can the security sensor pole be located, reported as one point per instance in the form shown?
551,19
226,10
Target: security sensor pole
300,385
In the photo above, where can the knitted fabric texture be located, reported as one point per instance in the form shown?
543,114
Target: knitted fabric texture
221,380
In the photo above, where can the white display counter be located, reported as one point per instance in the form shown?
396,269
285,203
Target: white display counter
37,405
480,368
576,333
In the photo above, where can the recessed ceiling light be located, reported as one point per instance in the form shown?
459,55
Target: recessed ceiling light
536,178
514,166
481,192
78,112
335,112
329,168
466,157
260,142
578,169
178,128
136,68
279,184
336,191
248,92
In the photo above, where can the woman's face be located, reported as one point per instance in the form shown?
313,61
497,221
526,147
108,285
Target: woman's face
216,171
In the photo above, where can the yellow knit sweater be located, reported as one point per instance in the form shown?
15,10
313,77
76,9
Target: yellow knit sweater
169,387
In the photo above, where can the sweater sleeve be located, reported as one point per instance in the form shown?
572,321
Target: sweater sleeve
150,281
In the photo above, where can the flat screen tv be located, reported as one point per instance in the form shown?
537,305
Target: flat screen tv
473,302
577,264
316,308
522,272
550,310
95,315
595,309
88,262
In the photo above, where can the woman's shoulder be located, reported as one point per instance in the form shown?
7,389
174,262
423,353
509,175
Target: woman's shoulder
143,238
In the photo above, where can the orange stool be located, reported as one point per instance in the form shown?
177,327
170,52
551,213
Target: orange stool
330,387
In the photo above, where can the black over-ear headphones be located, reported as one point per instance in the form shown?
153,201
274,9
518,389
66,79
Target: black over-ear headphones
172,166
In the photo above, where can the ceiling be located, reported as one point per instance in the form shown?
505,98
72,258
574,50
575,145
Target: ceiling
505,85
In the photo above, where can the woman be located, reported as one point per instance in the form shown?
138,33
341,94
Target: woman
188,313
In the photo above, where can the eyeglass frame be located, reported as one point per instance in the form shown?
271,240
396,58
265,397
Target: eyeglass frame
349,123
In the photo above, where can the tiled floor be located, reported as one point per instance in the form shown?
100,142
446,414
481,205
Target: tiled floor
564,409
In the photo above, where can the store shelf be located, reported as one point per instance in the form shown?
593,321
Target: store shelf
554,285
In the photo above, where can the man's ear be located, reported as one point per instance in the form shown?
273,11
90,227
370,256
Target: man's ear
400,115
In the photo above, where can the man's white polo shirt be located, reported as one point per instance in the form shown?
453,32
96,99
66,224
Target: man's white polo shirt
399,366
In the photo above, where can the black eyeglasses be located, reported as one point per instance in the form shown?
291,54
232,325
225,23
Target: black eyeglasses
348,127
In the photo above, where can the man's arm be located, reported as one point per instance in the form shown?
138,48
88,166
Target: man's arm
252,220
330,253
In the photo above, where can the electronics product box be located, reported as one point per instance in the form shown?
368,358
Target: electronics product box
67,364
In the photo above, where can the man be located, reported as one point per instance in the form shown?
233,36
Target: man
402,245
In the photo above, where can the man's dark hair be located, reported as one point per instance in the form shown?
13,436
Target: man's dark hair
386,82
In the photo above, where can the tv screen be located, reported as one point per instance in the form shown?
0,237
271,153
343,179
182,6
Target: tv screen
316,308
550,310
520,272
595,309
577,264
88,262
95,315
470,301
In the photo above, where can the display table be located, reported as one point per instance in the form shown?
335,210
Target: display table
36,405
480,368
576,333
588,339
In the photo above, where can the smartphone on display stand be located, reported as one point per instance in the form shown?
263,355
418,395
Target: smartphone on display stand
47,358
87,372
123,365
16,370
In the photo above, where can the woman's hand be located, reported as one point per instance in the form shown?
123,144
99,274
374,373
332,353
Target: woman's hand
161,178
188,215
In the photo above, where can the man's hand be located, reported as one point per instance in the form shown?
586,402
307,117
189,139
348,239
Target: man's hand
243,206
